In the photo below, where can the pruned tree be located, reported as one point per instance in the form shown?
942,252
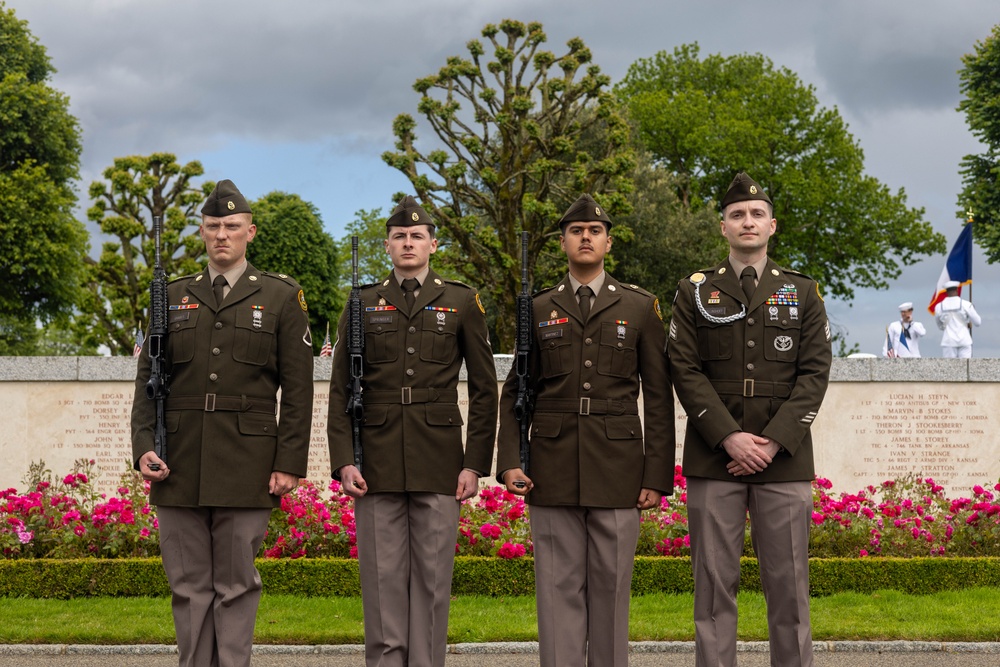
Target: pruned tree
509,154
137,188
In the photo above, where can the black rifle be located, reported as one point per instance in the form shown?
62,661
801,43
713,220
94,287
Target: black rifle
524,405
356,350
158,385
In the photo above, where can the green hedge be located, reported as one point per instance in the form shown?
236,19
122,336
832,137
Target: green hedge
89,577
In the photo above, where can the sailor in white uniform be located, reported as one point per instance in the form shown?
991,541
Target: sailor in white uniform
902,336
955,317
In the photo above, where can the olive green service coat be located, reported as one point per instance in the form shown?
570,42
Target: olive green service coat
416,357
256,343
765,373
598,459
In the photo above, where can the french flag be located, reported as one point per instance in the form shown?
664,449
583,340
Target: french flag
958,267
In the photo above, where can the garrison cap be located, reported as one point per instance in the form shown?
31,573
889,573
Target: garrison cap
584,209
225,200
408,213
743,188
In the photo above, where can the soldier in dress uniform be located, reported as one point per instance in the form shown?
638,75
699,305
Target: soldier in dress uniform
415,472
236,335
591,471
749,349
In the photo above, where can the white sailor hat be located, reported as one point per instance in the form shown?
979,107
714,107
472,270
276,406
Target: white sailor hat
908,305
952,284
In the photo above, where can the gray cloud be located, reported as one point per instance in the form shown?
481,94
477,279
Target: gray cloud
300,95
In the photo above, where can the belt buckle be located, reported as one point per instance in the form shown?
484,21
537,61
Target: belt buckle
406,396
585,405
209,402
748,388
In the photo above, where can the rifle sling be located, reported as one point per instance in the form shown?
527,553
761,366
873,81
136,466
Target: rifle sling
214,402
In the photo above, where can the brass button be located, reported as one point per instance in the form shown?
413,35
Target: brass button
588,363
218,325
588,341
410,350
750,343
784,323
412,330
409,371
750,367
586,385
751,321
378,328
216,351
213,377
620,345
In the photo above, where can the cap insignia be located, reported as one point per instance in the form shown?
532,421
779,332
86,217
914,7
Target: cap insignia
753,189
597,210
230,205
414,216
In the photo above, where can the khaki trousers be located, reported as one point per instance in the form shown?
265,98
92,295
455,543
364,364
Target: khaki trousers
779,528
208,555
406,554
583,583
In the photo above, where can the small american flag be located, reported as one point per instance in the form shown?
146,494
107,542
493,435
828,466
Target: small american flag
138,343
327,349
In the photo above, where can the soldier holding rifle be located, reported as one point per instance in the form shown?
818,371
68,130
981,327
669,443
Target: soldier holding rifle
235,335
589,469
415,472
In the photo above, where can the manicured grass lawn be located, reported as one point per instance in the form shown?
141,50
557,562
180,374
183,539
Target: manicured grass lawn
967,615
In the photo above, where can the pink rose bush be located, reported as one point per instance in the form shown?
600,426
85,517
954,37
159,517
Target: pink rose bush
905,517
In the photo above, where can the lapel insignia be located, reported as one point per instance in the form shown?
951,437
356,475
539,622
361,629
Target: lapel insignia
198,279
553,315
611,288
561,288
185,299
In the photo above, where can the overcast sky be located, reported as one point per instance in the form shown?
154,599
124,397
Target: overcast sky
300,95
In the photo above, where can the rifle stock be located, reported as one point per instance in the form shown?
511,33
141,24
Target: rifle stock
524,404
158,385
355,347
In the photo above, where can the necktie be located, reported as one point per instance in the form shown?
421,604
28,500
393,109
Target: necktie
747,280
584,293
217,285
409,286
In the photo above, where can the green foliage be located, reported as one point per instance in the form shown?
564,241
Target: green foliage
138,188
980,196
515,153
374,263
669,241
41,243
492,577
290,239
705,119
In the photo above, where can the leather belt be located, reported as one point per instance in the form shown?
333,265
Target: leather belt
750,388
587,406
214,402
408,395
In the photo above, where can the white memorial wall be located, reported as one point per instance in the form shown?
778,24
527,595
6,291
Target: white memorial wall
881,419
